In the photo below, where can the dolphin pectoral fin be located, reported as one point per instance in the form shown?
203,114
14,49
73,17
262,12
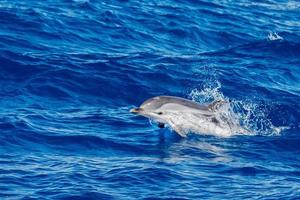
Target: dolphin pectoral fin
216,104
177,129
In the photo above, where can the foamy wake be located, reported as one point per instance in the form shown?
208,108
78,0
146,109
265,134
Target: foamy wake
246,118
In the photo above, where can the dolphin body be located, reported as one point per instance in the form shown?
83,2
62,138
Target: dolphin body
185,116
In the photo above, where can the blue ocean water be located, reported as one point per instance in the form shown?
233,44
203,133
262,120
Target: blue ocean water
71,70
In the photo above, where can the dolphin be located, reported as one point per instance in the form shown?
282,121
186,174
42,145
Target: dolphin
185,116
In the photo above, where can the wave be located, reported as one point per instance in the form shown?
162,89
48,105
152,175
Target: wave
276,48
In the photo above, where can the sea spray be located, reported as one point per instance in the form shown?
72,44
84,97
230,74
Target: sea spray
251,116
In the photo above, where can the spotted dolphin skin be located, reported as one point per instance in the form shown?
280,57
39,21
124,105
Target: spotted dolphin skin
185,116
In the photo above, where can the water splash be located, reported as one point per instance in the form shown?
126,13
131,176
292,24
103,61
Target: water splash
250,116
274,36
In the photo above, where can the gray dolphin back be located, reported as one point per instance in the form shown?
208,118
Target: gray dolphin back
158,101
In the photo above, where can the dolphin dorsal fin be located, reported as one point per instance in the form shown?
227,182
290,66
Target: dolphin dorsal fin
216,104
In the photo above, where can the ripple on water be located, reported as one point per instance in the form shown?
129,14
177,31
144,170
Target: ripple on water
70,70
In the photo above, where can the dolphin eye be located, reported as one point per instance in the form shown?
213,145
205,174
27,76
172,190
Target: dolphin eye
159,113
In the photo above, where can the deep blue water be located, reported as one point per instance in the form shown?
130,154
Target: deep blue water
70,70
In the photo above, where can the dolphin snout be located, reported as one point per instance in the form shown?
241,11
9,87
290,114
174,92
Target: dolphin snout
135,110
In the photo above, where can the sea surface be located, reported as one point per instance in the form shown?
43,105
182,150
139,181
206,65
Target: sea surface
70,71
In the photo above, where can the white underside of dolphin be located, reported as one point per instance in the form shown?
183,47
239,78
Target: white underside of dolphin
185,116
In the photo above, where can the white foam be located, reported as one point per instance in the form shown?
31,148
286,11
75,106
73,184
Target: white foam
274,36
247,118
